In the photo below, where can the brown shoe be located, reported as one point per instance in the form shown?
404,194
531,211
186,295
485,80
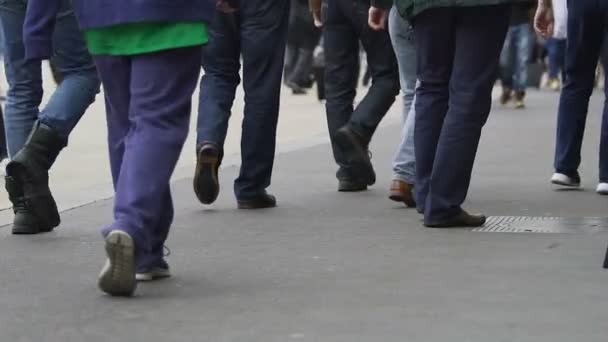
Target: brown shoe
402,192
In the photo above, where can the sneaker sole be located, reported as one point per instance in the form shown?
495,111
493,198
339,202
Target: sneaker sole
118,275
363,168
206,182
145,277
567,185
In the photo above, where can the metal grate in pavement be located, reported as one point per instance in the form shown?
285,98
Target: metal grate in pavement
546,225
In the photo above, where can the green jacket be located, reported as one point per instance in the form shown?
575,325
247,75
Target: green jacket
410,8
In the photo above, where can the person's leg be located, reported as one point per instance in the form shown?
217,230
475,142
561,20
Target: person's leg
523,45
24,78
506,67
402,36
353,139
80,82
479,33
404,162
341,49
435,39
221,62
384,72
585,35
553,58
115,73
161,88
263,45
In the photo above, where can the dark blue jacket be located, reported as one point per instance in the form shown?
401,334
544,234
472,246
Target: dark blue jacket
41,14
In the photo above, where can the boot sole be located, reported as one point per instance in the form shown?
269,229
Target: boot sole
117,278
362,166
206,180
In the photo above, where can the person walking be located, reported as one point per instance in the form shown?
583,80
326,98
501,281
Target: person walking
556,45
516,55
148,56
351,129
587,33
458,48
258,32
404,163
302,38
36,137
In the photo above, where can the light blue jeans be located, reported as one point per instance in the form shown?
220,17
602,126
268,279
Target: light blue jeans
24,95
402,36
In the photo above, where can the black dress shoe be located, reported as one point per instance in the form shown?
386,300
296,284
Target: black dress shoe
355,150
206,180
462,220
260,202
606,261
351,185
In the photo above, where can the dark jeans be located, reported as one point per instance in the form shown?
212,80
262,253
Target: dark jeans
258,32
556,49
586,34
344,28
458,52
148,103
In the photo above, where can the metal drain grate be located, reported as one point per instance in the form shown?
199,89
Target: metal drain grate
546,225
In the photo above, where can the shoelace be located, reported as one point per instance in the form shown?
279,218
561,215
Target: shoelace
166,251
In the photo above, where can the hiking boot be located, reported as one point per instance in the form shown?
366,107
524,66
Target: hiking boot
25,222
29,176
356,151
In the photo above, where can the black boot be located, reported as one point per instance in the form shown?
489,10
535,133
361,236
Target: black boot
29,179
25,222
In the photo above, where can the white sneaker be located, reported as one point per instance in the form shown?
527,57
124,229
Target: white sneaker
567,181
154,274
602,189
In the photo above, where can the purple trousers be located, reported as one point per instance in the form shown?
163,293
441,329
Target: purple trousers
148,102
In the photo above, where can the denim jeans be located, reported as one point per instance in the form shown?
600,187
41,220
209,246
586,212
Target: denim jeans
515,57
458,51
404,44
556,49
258,32
586,35
70,55
345,29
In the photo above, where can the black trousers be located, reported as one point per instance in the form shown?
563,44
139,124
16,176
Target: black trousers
345,30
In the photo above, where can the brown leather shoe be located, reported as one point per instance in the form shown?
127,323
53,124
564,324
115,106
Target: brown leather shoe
402,192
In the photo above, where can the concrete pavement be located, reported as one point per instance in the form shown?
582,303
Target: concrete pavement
336,267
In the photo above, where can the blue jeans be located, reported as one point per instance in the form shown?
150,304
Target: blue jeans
72,97
404,44
458,50
515,57
258,31
556,49
586,35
